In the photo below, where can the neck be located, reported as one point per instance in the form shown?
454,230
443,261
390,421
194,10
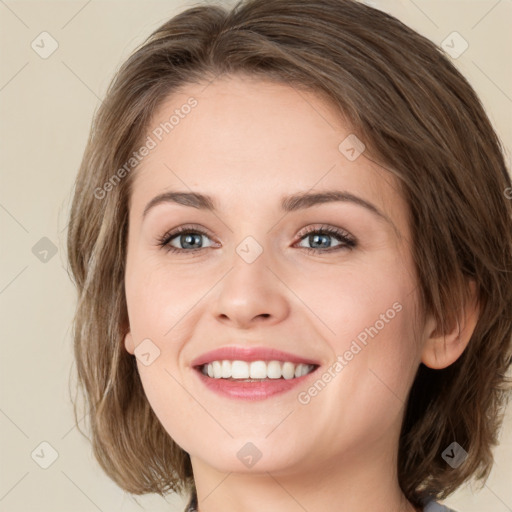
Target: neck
352,482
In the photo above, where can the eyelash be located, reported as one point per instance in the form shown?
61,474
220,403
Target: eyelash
348,242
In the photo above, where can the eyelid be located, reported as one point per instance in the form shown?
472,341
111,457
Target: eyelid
348,241
172,233
186,227
327,228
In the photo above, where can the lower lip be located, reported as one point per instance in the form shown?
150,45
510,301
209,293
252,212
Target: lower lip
261,390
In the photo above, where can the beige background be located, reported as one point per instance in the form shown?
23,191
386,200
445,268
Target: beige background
46,109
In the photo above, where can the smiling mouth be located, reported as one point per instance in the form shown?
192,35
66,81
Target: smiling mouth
255,371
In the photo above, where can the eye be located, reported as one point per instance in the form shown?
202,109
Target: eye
319,239
187,238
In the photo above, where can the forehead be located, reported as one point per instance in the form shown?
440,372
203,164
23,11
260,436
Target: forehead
254,141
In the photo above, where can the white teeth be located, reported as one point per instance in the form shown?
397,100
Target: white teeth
274,370
239,369
255,369
217,369
226,370
288,370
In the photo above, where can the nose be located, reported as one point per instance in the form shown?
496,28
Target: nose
250,294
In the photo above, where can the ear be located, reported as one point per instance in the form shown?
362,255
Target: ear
128,343
440,350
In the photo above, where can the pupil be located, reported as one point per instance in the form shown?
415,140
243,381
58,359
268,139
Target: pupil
316,238
186,239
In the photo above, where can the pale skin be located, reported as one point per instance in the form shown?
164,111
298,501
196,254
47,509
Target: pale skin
247,144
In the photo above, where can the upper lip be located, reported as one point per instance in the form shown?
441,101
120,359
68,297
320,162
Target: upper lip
234,353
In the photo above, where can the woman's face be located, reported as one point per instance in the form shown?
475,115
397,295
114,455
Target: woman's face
256,273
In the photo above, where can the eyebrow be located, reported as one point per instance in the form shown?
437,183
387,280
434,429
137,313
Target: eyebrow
289,203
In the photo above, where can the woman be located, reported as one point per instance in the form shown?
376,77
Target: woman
291,241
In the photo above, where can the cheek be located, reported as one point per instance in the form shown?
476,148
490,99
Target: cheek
374,363
365,298
160,298
368,316
160,307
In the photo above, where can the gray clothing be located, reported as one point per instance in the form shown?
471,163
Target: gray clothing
429,505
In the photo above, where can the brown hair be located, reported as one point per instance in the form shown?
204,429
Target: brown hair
418,117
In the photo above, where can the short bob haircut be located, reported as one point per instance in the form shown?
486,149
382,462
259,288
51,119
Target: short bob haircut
419,119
